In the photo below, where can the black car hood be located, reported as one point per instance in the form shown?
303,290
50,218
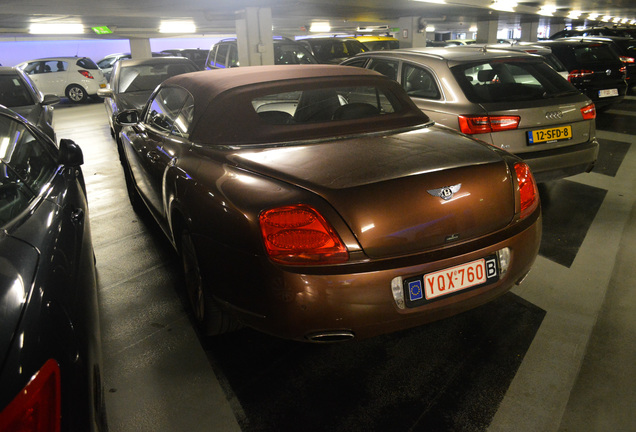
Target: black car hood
132,100
17,263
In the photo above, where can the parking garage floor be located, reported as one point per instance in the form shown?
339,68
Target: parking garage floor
557,353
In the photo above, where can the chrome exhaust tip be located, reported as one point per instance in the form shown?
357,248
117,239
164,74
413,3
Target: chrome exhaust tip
330,336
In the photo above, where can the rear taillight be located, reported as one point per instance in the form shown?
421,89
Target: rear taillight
484,124
589,112
626,59
623,70
528,193
37,407
299,235
579,73
86,74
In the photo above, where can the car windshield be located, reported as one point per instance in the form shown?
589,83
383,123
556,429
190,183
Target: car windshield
504,81
148,77
13,92
285,53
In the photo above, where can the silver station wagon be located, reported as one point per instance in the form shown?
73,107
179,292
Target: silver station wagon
513,100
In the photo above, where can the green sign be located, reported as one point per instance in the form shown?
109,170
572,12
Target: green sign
102,30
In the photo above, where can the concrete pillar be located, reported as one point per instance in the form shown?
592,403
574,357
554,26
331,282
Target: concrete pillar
487,31
529,31
140,48
412,32
254,37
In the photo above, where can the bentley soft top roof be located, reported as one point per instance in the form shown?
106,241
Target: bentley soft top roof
224,114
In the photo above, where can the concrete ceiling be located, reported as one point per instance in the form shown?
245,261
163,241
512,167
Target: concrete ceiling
141,18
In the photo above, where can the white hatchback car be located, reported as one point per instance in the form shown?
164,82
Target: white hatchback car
76,78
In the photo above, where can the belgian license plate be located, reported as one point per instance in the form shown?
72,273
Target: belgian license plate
550,134
451,280
607,93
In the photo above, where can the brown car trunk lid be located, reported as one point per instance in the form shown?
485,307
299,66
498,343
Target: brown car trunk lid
390,190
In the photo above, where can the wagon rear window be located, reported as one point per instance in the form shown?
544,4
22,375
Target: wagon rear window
499,81
324,105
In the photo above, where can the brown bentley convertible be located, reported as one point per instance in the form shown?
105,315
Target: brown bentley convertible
319,203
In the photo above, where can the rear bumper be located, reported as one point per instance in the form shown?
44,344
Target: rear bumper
562,162
361,304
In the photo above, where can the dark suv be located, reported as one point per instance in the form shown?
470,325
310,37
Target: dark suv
593,68
224,54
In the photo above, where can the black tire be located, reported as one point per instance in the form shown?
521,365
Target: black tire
76,93
133,196
209,317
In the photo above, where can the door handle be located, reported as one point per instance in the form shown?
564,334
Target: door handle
153,156
77,216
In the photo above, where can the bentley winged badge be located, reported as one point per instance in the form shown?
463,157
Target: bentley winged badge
445,192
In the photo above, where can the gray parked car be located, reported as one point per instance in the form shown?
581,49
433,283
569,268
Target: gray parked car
19,93
511,99
133,81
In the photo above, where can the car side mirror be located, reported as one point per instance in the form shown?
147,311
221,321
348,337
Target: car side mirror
127,118
70,154
105,92
50,99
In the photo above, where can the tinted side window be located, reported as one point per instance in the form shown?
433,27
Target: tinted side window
385,67
13,92
361,62
165,107
419,82
232,58
55,66
32,162
221,56
184,119
210,61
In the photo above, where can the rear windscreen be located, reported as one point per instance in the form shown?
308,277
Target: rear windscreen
87,63
518,80
594,53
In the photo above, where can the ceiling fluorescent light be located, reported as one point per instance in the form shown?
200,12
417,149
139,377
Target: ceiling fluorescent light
37,28
547,10
473,29
592,16
430,28
575,14
177,27
320,27
606,18
432,1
